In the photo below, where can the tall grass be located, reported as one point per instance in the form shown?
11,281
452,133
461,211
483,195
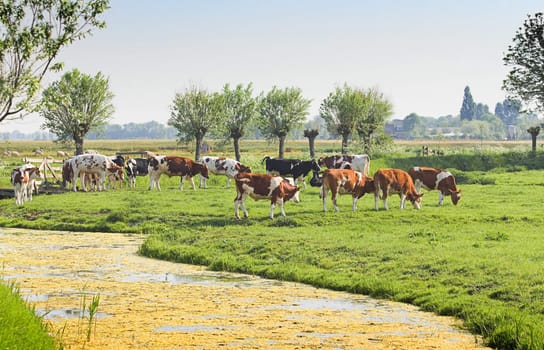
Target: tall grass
20,328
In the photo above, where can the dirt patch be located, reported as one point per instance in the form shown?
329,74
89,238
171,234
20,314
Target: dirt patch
151,304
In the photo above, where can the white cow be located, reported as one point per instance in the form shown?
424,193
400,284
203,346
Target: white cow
92,164
222,166
22,179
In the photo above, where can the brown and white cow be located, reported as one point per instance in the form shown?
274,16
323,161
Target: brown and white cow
21,179
345,181
222,166
357,162
91,164
436,179
174,166
263,186
390,181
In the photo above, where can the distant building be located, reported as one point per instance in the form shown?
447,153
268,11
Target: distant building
395,128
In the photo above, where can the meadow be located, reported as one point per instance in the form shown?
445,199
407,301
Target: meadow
480,261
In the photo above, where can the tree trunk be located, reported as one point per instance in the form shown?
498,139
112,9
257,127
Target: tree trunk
236,141
79,145
198,146
534,131
282,146
311,141
311,134
345,143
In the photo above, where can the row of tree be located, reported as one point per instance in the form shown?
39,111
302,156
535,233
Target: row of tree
79,103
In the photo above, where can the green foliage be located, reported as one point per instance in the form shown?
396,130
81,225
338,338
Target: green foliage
281,111
341,110
33,33
525,56
20,328
240,110
75,105
195,113
348,110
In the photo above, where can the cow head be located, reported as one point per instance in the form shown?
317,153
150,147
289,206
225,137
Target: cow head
202,168
290,192
455,196
415,198
315,166
316,181
242,168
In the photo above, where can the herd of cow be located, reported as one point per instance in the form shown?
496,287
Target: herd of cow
345,174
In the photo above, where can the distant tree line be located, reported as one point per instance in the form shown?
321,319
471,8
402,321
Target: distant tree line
508,121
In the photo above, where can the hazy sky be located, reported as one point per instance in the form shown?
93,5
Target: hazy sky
420,54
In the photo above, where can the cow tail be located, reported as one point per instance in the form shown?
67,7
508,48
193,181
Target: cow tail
264,159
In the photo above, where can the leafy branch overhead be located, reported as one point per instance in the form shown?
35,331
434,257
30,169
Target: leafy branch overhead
525,56
32,33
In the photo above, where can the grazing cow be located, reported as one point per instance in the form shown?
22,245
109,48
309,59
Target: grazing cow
136,167
389,181
62,154
316,181
93,164
223,166
358,162
174,166
67,173
436,179
115,176
343,181
261,186
296,168
21,179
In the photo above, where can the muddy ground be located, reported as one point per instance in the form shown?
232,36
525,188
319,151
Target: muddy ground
150,304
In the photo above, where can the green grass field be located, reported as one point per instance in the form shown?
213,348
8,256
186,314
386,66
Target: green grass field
481,261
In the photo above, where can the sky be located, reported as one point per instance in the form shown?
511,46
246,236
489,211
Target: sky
420,54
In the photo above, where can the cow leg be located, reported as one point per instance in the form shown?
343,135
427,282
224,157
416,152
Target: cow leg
228,182
102,181
202,181
323,196
192,183
151,180
440,197
82,180
236,206
74,179
334,197
402,200
354,205
300,178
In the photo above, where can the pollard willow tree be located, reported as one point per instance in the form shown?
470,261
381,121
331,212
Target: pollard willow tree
194,113
32,33
75,105
281,111
240,108
377,110
341,110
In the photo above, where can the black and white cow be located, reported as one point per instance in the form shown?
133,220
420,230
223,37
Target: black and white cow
136,167
296,168
222,166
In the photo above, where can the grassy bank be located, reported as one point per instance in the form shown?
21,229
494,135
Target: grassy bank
20,328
